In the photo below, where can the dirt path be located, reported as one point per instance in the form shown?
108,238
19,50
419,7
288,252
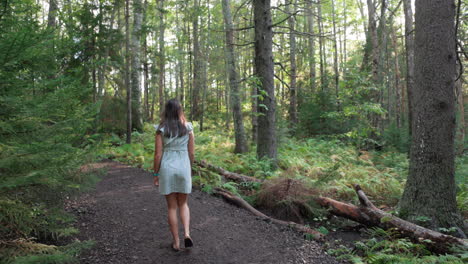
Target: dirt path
126,217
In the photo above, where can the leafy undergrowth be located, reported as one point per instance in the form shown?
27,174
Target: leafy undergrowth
385,247
311,166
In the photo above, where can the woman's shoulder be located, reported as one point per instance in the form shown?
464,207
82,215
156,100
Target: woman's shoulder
158,127
189,126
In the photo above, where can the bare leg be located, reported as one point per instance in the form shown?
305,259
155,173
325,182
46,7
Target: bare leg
171,200
184,212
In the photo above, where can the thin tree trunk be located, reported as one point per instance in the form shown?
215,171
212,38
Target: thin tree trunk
137,121
197,78
323,78
161,56
397,80
241,140
430,187
409,44
266,143
127,72
52,16
292,60
311,55
145,65
373,41
103,68
345,58
180,62
335,55
461,133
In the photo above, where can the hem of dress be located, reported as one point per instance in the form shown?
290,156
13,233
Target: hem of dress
176,192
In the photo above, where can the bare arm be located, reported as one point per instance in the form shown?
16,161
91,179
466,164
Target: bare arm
191,147
157,156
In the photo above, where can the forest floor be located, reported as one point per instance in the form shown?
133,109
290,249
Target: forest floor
126,217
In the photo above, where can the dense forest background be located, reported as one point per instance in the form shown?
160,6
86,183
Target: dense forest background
75,73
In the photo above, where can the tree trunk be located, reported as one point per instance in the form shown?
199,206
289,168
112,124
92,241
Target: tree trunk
197,82
161,57
127,72
374,43
409,44
323,77
292,60
345,57
461,111
335,54
103,68
398,101
310,25
137,120
241,140
430,187
52,16
266,142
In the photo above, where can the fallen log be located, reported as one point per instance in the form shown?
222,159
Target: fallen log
234,199
368,214
227,174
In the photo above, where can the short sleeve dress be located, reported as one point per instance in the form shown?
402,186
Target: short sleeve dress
175,171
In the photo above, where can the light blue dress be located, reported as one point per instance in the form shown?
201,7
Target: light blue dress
175,171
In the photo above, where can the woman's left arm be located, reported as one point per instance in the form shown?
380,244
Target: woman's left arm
157,156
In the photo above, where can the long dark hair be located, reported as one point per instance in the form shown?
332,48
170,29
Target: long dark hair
173,119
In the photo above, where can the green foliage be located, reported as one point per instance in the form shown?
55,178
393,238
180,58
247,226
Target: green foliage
385,247
46,129
41,253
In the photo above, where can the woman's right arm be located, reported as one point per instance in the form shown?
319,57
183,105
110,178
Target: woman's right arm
191,147
157,156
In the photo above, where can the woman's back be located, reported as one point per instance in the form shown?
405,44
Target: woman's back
175,170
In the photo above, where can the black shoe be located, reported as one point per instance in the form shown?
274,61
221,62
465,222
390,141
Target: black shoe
174,248
188,242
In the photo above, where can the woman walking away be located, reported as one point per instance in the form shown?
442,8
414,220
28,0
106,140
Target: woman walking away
173,160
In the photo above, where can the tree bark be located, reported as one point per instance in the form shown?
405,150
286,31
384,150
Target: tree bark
197,64
103,68
162,56
292,61
398,101
266,142
460,149
323,77
409,45
374,43
430,187
52,16
127,72
310,27
240,138
335,53
137,120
